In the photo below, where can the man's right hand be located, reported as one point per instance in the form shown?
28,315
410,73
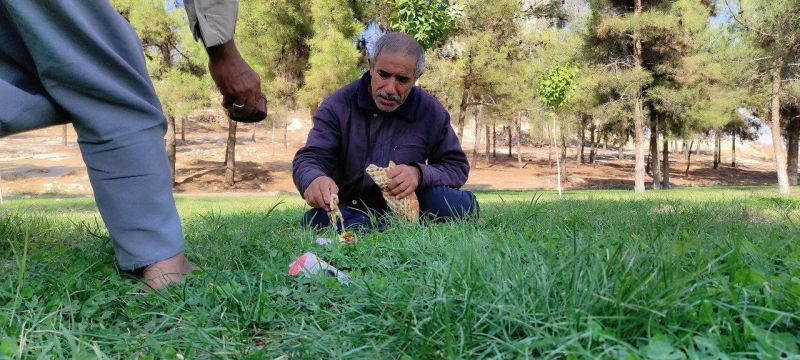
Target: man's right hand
318,194
239,84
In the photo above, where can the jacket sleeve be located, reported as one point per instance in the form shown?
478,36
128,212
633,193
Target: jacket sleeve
319,156
447,164
213,21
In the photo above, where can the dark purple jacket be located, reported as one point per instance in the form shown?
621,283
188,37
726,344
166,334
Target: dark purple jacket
349,133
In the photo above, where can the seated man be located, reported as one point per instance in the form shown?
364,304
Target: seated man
380,118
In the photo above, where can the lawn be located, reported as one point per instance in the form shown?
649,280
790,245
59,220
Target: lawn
700,273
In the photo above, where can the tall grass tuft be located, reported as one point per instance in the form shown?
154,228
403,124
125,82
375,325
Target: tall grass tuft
679,274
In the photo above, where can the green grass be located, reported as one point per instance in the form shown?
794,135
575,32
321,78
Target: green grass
686,273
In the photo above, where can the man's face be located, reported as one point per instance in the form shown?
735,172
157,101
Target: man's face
392,79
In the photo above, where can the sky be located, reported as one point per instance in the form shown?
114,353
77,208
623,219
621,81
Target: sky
173,4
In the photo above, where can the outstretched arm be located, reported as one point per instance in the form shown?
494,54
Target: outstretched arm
214,22
314,164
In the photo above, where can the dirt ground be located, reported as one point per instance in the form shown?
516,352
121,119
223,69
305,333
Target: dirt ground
38,162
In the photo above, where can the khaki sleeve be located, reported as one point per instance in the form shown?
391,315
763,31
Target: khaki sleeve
212,21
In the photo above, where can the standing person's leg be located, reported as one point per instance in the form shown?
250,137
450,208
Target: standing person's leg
24,104
445,203
90,62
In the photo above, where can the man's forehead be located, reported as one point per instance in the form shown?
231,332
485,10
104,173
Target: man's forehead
392,61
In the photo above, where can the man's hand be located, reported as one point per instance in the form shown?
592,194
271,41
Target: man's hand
403,180
318,194
239,84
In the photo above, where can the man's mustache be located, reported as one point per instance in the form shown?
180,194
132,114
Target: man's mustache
384,95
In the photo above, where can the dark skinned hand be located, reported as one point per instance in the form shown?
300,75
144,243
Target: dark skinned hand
239,84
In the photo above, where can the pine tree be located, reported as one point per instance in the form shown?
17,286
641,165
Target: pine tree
774,28
334,58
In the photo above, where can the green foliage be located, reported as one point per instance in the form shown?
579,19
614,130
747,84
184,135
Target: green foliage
557,85
173,57
439,79
684,273
379,11
772,29
182,93
334,59
774,26
166,38
428,21
272,35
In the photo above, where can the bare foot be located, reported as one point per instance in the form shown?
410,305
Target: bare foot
168,271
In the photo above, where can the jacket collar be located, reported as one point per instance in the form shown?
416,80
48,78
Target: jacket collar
367,103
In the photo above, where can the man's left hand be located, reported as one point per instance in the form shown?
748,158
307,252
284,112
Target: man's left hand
404,180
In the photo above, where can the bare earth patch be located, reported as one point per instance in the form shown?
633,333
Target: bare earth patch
39,163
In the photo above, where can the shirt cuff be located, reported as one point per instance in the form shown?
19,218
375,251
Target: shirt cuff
212,21
424,174
307,179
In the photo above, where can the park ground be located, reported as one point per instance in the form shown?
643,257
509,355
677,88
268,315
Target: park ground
38,162
697,273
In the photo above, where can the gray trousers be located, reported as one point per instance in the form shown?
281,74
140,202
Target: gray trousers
79,61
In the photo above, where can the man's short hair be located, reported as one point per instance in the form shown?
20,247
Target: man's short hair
398,42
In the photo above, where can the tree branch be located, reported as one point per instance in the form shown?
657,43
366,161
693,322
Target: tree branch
743,23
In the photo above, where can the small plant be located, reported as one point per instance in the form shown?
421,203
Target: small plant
555,88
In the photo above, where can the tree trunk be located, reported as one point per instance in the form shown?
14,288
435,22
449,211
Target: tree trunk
253,136
665,183
183,130
689,157
64,135
509,140
551,147
593,150
462,112
639,112
583,139
171,145
717,147
777,142
230,154
273,137
619,153
793,135
563,165
286,132
654,163
792,159
733,150
488,142
476,144
558,160
519,140
494,140
166,56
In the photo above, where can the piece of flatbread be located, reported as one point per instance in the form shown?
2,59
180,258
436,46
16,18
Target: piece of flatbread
406,208
335,215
